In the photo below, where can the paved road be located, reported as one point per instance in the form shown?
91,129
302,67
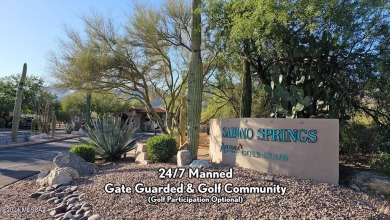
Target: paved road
22,162
5,135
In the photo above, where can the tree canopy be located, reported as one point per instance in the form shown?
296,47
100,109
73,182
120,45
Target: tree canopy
146,59
314,58
8,87
268,58
101,103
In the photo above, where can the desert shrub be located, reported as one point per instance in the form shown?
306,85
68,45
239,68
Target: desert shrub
359,142
69,128
381,162
382,137
356,138
161,148
85,151
111,137
2,123
26,138
77,124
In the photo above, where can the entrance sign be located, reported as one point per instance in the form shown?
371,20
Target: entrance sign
302,148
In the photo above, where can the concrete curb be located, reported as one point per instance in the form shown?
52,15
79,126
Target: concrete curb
37,142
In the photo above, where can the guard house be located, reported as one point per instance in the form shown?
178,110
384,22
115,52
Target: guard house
138,117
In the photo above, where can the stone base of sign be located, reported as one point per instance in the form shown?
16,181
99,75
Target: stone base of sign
141,156
302,148
183,158
200,164
269,178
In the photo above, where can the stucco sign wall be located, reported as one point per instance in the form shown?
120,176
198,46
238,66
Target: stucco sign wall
302,148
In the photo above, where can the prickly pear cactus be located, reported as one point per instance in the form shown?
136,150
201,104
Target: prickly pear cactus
287,101
301,97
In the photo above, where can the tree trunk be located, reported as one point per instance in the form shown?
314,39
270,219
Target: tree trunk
195,81
158,118
18,105
182,121
246,98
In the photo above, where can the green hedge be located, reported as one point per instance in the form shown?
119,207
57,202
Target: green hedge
381,162
87,152
161,148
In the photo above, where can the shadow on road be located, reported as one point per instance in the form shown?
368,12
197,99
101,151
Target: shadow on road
9,177
18,174
31,155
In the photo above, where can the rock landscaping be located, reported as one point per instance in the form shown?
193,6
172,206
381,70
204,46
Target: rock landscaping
200,164
68,167
86,198
63,175
370,182
67,201
68,159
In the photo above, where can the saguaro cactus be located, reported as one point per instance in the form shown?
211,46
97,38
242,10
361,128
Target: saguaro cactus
88,109
53,124
246,97
32,127
195,81
18,105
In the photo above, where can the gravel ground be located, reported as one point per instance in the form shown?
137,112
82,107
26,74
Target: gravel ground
304,199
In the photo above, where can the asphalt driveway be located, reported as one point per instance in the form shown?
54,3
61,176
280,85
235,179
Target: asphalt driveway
21,162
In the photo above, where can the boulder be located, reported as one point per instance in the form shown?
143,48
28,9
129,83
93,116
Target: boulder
371,182
183,157
385,209
269,178
63,176
95,217
68,159
79,132
200,164
44,171
40,136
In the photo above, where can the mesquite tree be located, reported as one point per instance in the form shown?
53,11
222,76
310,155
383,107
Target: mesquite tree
195,81
139,62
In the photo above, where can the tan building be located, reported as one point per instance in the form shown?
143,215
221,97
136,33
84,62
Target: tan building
138,117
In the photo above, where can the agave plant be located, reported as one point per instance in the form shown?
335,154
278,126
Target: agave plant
110,137
69,128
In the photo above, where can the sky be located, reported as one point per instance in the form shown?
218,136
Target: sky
30,29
